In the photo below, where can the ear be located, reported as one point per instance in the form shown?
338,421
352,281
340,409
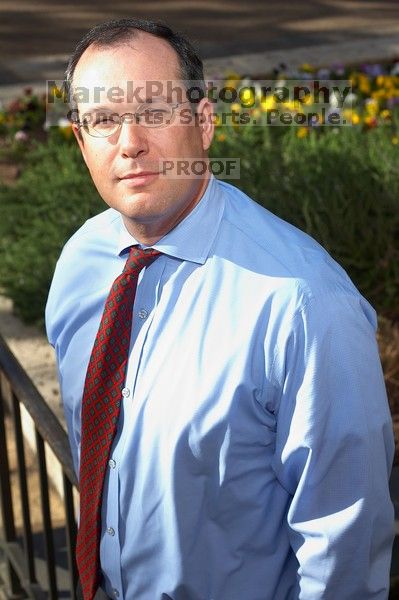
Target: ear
77,132
206,122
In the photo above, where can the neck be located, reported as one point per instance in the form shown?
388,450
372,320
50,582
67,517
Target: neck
149,232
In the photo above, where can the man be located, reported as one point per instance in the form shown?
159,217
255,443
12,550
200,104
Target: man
238,447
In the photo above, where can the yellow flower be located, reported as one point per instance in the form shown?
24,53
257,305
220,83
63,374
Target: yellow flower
351,115
235,107
290,105
380,81
302,132
353,77
247,97
267,103
364,83
378,94
57,93
221,137
395,140
232,79
389,82
385,114
307,68
372,107
308,99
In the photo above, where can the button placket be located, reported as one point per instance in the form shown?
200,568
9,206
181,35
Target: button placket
110,544
141,323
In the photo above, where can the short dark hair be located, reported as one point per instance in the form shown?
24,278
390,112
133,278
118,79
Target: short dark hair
114,32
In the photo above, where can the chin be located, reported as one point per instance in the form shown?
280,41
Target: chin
140,206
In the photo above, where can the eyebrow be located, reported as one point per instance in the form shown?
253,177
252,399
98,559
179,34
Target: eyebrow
107,108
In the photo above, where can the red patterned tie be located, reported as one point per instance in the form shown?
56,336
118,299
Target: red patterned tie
104,382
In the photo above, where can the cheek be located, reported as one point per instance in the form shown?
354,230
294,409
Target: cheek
100,172
181,141
97,164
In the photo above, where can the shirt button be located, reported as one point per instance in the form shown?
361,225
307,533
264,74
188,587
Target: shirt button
143,313
110,531
126,392
112,463
115,593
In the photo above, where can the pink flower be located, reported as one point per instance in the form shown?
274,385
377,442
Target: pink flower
21,136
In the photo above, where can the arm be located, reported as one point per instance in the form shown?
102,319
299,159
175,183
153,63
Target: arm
334,451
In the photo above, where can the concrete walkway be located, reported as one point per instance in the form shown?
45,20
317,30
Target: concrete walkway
36,37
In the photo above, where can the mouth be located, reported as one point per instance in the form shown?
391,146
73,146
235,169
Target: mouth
138,179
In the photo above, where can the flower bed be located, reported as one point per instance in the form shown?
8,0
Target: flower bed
373,102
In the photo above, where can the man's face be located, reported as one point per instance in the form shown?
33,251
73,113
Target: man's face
151,204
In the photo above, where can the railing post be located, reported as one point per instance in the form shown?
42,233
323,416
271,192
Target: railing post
7,512
23,486
46,515
70,534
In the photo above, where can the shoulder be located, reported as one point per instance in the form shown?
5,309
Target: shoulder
90,248
86,260
102,229
277,248
290,268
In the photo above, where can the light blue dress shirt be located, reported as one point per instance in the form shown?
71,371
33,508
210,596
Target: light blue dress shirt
254,443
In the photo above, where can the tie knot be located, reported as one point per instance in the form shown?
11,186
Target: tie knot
139,258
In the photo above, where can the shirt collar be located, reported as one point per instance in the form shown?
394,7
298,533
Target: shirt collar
193,237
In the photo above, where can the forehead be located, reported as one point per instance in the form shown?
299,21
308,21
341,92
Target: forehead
144,58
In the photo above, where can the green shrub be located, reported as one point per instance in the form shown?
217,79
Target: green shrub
53,196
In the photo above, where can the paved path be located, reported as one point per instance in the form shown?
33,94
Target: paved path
227,27
36,36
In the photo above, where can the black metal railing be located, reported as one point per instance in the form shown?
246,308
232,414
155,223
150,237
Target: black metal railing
18,547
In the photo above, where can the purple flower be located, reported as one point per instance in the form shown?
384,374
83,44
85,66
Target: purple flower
323,74
392,102
338,69
372,70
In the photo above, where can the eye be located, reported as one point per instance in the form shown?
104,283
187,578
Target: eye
153,114
156,113
157,109
105,121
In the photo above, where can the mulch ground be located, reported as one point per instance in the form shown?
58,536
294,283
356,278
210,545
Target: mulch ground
388,341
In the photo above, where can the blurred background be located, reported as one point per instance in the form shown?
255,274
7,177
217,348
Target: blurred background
338,183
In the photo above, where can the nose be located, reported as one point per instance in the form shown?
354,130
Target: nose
133,140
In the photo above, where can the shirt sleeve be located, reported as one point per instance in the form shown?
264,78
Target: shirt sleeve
334,451
54,317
